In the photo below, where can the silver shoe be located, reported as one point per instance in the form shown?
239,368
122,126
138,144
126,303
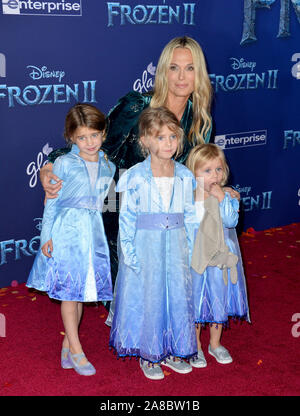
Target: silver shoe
199,361
152,372
221,354
181,367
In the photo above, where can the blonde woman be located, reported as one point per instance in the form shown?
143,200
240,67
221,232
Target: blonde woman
181,84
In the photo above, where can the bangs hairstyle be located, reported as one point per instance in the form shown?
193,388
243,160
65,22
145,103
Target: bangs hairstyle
151,122
83,115
204,153
202,95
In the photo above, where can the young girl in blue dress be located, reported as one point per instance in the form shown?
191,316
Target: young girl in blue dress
153,317
73,263
219,286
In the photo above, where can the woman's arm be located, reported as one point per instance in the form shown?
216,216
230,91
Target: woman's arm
46,175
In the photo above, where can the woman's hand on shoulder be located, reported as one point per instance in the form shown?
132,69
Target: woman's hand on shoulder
46,176
233,193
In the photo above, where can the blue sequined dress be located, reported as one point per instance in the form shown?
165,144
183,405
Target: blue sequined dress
153,315
213,300
79,269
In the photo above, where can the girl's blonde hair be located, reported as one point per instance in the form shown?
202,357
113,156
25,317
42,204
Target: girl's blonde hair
83,115
204,153
151,122
202,94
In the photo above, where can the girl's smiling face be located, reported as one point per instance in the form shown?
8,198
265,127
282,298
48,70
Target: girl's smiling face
211,172
89,142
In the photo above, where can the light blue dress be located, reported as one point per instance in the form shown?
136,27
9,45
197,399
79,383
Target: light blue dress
79,269
153,315
213,300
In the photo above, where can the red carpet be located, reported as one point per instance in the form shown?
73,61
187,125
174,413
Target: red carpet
266,354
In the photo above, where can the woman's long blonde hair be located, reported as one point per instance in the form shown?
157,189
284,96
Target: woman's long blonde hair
202,94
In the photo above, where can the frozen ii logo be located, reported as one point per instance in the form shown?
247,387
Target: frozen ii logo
154,14
239,79
57,92
252,202
250,8
16,249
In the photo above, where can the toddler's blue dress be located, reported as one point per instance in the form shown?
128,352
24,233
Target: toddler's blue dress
213,300
79,269
153,316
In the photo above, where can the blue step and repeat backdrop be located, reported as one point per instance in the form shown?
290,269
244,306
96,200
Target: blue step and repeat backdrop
56,53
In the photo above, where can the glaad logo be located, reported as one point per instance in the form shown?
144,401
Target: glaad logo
51,93
20,247
2,65
34,167
145,14
260,201
246,139
42,8
244,81
250,7
146,82
296,67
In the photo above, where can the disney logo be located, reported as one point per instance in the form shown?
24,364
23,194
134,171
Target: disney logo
145,84
34,167
39,73
38,226
245,189
242,64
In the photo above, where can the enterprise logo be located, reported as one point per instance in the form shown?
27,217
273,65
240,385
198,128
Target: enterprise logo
42,8
236,140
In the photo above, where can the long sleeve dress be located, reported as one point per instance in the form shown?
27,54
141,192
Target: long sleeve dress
214,301
79,269
153,315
